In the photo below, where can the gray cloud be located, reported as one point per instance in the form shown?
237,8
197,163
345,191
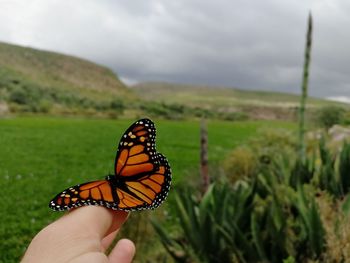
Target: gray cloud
246,44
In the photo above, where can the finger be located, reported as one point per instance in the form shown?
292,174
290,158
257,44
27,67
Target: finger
94,220
92,257
123,252
106,241
78,232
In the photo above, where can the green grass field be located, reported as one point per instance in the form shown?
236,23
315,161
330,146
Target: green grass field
40,156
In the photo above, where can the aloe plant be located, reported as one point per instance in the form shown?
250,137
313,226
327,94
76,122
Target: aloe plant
344,168
202,238
313,233
259,221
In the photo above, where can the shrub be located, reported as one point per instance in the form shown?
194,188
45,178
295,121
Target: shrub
117,105
268,146
329,116
242,162
44,106
168,111
19,96
234,116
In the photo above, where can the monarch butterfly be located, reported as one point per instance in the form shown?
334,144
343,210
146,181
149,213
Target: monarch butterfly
141,181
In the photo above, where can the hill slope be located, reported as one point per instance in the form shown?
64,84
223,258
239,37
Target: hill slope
219,96
60,79
228,103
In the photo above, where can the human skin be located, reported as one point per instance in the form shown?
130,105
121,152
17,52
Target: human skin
81,235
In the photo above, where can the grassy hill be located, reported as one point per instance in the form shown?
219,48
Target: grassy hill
231,101
45,82
219,96
30,78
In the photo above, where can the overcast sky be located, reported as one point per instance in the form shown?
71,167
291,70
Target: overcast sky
247,44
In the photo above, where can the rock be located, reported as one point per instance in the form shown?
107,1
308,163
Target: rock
339,133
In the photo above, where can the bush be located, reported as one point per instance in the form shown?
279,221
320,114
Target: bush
329,116
117,105
268,146
241,163
167,111
19,96
43,106
234,116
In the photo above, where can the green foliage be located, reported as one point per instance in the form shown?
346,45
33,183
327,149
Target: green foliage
260,151
25,96
334,170
327,177
203,236
330,115
251,222
344,168
273,216
270,143
168,111
117,105
346,206
41,156
177,111
241,163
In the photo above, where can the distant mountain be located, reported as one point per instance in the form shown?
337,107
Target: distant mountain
29,77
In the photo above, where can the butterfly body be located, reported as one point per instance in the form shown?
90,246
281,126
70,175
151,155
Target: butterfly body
142,176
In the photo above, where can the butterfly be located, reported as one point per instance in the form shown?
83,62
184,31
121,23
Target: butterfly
141,179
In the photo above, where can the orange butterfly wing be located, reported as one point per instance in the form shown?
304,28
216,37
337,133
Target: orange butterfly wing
142,176
137,152
92,193
147,191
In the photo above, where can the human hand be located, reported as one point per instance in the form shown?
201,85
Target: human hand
82,235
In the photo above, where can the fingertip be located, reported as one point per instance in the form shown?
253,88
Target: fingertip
118,219
123,252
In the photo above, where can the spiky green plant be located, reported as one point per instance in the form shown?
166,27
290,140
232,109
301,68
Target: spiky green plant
204,232
304,89
260,221
312,230
344,168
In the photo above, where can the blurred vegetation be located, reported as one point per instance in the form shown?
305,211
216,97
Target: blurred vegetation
268,216
260,150
40,156
27,96
331,115
177,111
225,98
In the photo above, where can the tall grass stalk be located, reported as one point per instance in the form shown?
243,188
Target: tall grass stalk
304,89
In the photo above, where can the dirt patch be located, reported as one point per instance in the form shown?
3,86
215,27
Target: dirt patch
271,113
4,109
